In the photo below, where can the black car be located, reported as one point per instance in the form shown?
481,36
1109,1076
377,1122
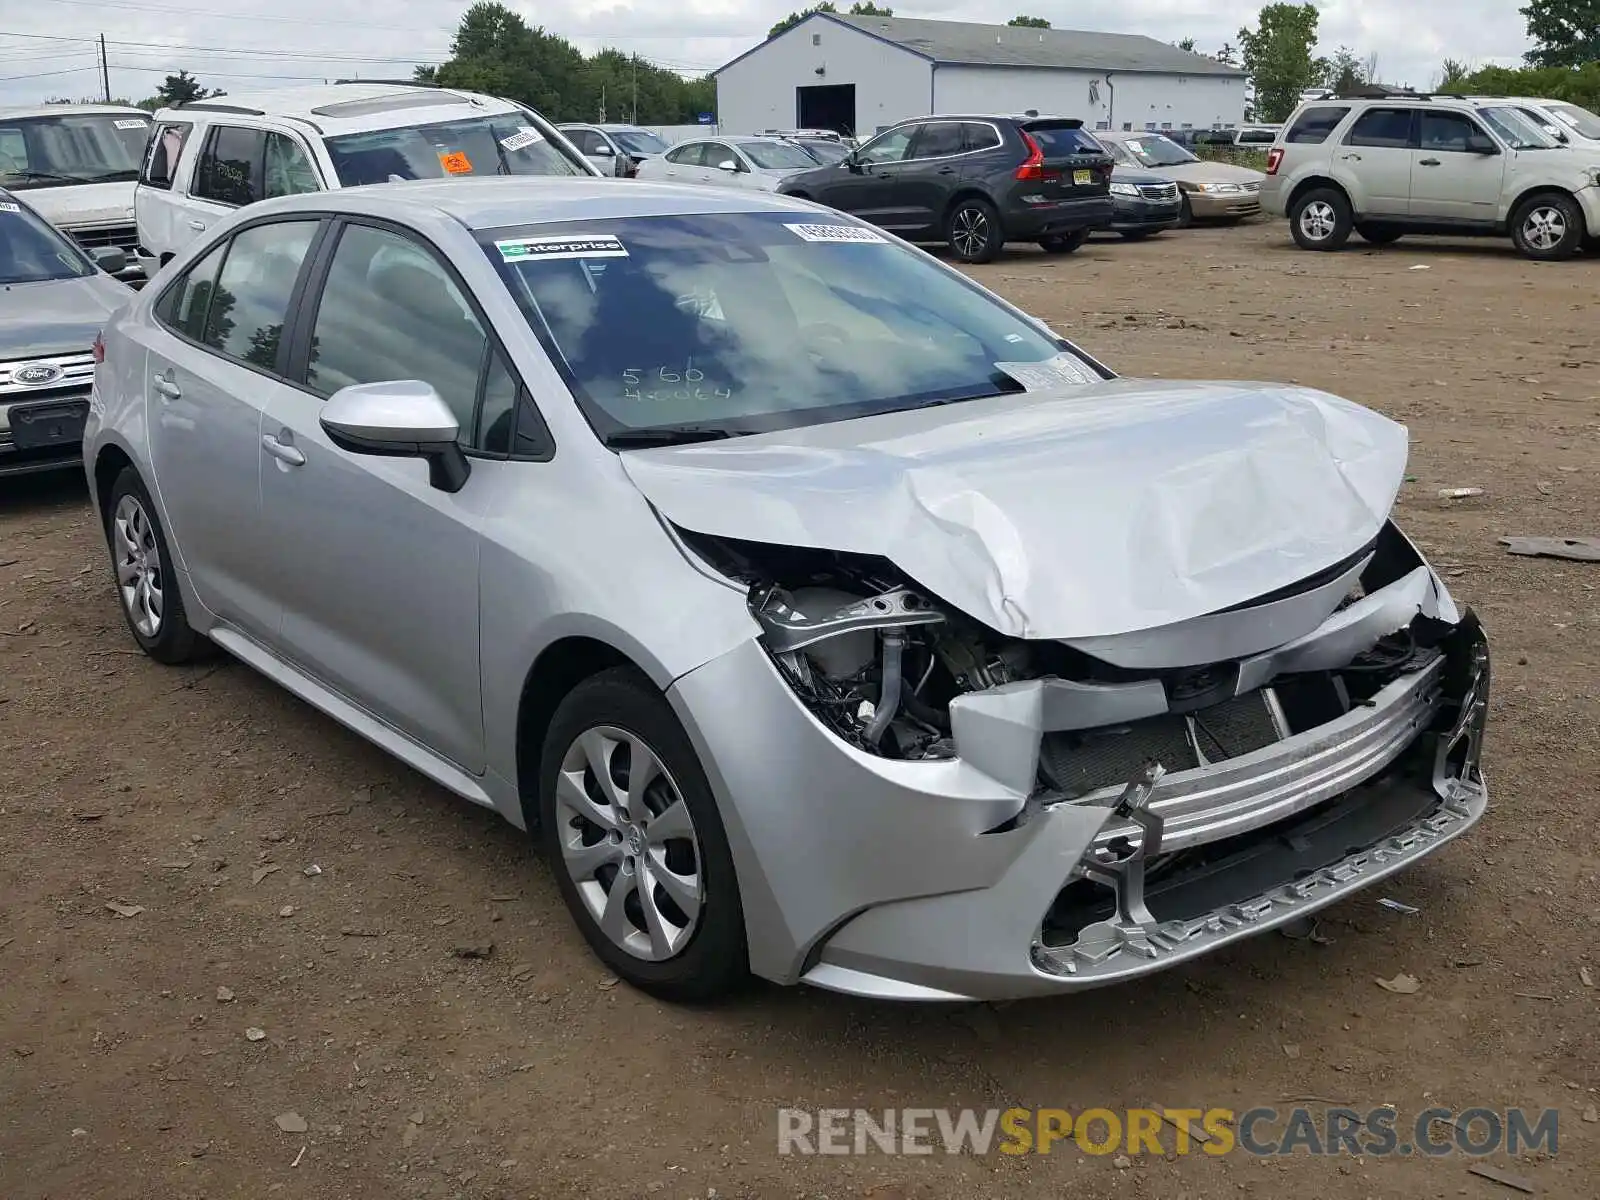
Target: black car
1143,203
975,182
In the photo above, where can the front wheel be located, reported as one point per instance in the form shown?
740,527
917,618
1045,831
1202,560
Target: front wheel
1185,215
973,231
1548,228
1321,220
1063,243
636,842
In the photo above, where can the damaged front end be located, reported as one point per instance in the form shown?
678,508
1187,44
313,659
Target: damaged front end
1240,768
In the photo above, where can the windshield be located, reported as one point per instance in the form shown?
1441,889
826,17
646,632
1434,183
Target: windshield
723,323
56,151
1580,120
638,141
500,145
31,251
777,156
1157,151
824,152
1516,130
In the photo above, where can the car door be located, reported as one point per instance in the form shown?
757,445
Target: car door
594,146
867,183
212,367
1450,179
227,174
933,167
377,569
157,211
713,172
1374,161
680,162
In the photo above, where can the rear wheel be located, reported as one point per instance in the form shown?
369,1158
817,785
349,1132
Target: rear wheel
973,231
636,843
146,584
1321,220
1548,228
1378,235
1063,243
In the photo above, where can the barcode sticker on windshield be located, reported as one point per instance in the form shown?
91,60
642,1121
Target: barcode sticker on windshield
7,206
517,141
1051,373
132,123
601,245
835,233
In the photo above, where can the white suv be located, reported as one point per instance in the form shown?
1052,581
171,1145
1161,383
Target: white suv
209,157
1407,163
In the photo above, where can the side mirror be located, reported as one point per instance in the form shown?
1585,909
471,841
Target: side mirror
851,163
1481,143
400,418
603,151
728,165
113,260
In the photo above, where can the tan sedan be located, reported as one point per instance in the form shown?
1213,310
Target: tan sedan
1211,190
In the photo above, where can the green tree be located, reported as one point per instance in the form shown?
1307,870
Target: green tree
1029,22
1344,72
183,88
1277,55
1185,44
1227,55
1578,85
1565,33
1451,72
795,18
870,9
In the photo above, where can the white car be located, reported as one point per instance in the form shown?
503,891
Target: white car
209,157
1571,124
76,165
759,163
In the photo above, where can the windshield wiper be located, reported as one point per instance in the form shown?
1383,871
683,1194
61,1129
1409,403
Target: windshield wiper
665,435
42,176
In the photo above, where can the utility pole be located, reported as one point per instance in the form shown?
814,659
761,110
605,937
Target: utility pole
635,89
602,104
105,72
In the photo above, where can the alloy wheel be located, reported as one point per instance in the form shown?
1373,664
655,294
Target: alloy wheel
1544,227
628,843
1317,221
140,578
970,231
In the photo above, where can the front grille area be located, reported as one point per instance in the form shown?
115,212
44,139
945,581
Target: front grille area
1159,191
92,237
75,380
1078,763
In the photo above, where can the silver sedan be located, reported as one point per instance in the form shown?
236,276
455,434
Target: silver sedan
757,163
826,616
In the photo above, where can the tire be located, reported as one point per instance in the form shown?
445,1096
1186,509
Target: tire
1321,220
1063,243
1378,235
1139,235
597,840
1185,215
147,588
1548,227
973,231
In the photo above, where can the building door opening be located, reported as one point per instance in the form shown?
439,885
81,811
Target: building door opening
832,106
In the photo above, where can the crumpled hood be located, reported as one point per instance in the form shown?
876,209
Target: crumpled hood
1081,511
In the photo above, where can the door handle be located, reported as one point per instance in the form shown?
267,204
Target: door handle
1427,162
197,224
947,170
281,452
167,386
1351,157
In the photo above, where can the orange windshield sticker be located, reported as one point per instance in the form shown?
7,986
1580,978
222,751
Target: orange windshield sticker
456,163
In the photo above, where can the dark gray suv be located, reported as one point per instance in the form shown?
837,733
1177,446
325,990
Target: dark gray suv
975,182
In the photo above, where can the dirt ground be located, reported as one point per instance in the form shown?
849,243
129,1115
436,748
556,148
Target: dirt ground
202,795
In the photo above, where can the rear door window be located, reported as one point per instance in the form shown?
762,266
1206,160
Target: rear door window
1382,127
229,171
246,315
1313,127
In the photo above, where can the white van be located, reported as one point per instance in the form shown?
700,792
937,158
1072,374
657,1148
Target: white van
209,157
76,165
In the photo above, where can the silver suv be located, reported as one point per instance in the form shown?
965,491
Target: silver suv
1407,163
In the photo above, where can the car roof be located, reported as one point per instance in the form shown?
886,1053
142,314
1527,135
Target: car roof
58,110
494,202
607,126
347,107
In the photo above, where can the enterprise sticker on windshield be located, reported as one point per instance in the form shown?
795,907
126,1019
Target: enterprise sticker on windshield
599,245
517,141
131,123
7,206
1051,373
835,233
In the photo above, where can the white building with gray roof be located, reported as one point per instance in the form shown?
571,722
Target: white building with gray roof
859,74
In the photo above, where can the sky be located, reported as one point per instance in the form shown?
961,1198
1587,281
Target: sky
48,48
